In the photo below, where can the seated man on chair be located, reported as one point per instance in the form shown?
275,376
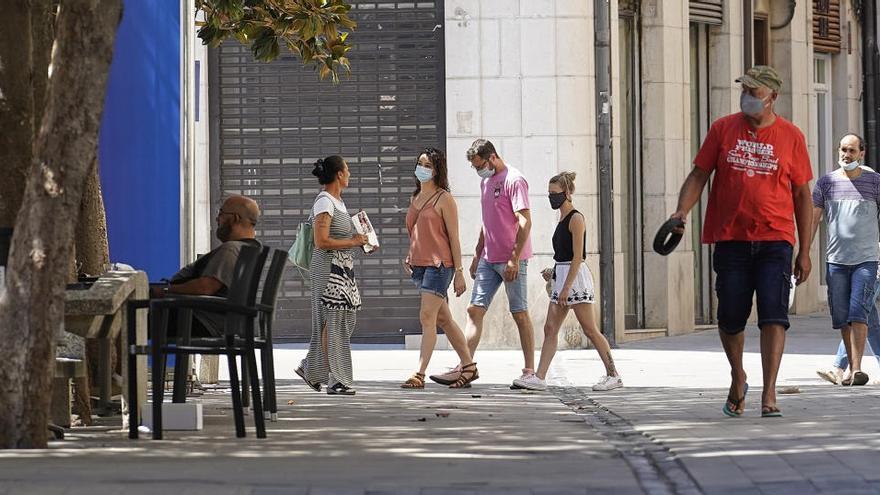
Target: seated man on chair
211,274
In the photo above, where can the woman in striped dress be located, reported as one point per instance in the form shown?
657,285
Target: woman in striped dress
335,295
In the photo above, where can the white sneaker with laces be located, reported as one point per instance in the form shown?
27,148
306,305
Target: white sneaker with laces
608,383
530,382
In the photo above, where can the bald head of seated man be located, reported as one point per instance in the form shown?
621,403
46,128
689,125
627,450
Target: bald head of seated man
212,273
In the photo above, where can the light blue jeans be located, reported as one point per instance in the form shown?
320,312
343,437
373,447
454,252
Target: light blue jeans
841,360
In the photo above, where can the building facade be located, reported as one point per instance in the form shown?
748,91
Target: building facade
522,74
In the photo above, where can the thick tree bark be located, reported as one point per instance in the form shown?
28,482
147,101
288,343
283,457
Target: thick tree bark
42,37
93,255
32,309
16,106
92,251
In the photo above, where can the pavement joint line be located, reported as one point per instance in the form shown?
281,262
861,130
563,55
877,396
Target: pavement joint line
657,469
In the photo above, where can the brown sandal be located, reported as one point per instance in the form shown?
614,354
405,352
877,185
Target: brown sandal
415,381
469,373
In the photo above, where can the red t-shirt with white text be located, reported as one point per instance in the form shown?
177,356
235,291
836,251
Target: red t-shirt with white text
755,170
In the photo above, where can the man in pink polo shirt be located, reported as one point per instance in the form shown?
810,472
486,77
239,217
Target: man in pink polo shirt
502,252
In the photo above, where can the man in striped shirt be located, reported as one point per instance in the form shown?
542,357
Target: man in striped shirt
848,198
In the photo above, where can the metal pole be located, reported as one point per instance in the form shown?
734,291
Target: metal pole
602,26
187,134
869,69
748,34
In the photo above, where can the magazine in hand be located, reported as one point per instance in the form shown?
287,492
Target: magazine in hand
363,226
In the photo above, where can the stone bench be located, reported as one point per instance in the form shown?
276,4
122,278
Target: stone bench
66,369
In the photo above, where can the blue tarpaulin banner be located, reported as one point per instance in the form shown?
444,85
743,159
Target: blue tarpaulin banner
139,149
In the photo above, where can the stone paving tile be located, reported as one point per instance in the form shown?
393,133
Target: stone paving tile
840,483
393,491
865,464
103,489
788,488
280,491
719,473
767,469
335,490
575,491
28,488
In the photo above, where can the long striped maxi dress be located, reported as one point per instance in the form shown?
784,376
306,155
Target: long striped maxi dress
335,302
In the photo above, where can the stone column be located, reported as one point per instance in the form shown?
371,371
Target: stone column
669,288
792,55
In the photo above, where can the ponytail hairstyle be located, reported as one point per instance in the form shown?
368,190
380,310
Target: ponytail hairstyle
326,169
565,180
438,161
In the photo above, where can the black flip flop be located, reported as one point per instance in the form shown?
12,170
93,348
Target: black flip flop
667,239
302,374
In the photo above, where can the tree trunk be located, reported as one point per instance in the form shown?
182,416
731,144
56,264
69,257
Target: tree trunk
92,255
32,309
42,37
16,106
92,251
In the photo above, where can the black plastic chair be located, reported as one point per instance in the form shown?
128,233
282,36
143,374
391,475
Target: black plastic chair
238,340
266,307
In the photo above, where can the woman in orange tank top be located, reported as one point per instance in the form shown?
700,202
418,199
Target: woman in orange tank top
434,261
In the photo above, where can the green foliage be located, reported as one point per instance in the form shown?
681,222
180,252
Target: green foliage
316,31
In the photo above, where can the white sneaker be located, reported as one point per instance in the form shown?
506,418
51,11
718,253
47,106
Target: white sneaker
530,382
608,383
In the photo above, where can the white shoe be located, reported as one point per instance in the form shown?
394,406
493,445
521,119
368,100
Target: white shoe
530,382
608,383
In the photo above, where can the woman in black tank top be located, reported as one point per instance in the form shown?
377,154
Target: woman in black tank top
572,288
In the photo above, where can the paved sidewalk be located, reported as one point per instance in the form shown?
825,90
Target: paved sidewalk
827,442
662,433
382,441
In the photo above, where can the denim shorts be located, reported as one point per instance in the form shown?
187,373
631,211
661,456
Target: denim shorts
433,279
850,292
490,277
744,269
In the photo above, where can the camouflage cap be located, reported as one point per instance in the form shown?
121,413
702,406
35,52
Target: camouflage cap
761,75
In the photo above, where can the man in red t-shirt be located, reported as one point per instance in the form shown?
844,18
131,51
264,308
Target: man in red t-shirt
762,173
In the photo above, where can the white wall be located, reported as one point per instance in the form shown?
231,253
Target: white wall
519,73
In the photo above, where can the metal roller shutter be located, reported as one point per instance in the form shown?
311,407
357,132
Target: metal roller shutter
275,120
826,26
706,12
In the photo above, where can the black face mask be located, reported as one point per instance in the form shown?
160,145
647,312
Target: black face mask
557,200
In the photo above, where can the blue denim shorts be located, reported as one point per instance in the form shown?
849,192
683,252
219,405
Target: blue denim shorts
490,277
745,269
433,279
850,292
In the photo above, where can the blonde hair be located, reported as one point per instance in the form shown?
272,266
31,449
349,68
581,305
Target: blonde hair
565,181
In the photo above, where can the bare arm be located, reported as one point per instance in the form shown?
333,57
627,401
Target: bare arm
449,212
523,228
690,193
323,240
202,286
477,253
481,242
818,213
803,215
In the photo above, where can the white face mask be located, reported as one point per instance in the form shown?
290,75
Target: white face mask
849,167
